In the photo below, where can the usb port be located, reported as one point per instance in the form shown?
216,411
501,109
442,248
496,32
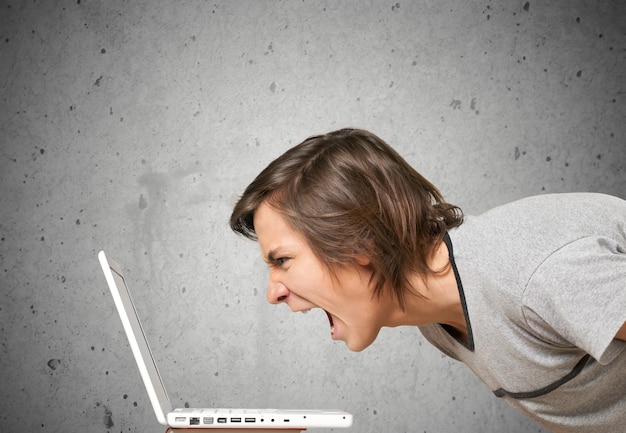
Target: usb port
250,419
194,421
221,420
181,419
235,420
207,420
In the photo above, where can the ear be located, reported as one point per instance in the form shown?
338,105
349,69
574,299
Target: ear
362,260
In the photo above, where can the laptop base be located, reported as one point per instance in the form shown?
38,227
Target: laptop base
233,430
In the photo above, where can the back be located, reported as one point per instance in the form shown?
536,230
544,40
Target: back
544,280
527,231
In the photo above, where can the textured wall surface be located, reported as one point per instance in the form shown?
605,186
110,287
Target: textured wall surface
133,126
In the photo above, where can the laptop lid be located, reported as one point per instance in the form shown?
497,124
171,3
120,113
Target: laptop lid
136,338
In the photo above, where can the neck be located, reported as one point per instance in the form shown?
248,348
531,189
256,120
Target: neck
436,297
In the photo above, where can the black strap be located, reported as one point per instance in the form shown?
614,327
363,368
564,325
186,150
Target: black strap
546,389
470,334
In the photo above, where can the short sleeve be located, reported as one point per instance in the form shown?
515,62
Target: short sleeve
577,296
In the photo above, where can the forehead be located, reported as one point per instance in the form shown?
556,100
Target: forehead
276,237
273,231
266,217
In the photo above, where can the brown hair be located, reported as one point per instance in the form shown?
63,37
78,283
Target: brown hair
348,193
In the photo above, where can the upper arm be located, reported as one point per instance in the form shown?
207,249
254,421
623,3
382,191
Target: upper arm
589,269
621,334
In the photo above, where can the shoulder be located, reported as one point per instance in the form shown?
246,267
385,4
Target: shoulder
555,205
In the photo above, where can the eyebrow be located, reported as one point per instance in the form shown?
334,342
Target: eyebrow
270,257
274,254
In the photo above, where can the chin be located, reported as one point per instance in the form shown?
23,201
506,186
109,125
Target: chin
358,346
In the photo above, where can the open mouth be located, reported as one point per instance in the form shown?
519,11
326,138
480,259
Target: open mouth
330,319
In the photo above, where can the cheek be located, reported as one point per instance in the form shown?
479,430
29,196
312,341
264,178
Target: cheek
354,285
312,271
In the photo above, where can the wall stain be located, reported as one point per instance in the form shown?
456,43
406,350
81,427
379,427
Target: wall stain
473,106
54,364
108,418
518,153
455,104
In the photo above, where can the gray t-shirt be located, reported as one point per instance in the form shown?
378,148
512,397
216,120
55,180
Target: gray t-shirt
543,282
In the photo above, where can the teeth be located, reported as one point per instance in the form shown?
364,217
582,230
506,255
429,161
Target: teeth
332,325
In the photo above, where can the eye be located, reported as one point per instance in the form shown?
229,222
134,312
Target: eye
277,261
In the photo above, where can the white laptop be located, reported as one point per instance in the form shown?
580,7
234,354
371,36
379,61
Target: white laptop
217,418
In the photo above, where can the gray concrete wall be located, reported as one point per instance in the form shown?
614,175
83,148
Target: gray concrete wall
133,127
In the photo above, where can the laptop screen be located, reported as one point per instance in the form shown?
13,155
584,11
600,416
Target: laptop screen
137,338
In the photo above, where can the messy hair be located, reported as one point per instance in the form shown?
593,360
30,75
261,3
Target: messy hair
349,194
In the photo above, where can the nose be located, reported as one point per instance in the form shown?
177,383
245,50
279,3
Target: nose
276,292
